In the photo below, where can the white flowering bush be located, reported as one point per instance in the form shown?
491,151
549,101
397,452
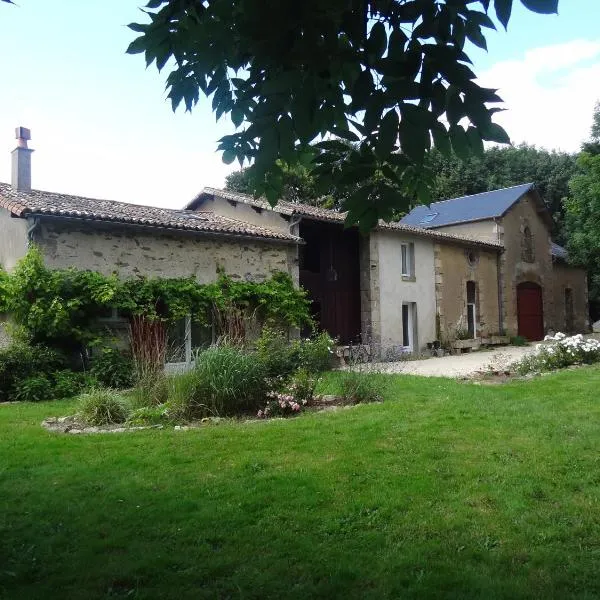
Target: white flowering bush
559,352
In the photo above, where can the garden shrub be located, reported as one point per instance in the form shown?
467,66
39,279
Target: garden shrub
561,352
279,357
358,386
302,386
102,406
316,354
35,388
150,415
279,405
70,383
295,396
518,340
21,361
229,380
112,368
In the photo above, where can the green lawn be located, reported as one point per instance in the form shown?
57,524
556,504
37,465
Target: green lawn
447,490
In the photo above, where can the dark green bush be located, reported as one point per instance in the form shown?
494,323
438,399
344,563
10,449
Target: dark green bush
278,356
103,407
316,354
70,383
518,340
282,357
35,388
113,368
20,362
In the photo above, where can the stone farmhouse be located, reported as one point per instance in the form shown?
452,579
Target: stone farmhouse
478,266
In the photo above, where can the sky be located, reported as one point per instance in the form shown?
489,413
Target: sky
102,127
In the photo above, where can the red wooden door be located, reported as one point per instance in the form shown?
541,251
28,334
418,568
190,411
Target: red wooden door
530,311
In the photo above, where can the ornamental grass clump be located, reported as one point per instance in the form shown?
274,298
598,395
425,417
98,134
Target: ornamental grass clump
559,352
103,407
229,381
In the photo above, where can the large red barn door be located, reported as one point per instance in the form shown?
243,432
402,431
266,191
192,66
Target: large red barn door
530,311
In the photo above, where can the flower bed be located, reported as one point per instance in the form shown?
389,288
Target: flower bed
558,352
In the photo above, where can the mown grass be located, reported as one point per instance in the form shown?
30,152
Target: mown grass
447,490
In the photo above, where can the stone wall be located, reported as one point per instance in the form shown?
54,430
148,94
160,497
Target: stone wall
516,270
567,277
370,295
130,252
455,265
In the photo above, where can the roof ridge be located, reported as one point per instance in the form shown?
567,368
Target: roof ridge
251,199
510,187
90,198
55,204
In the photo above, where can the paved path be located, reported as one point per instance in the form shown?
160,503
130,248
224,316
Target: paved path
461,365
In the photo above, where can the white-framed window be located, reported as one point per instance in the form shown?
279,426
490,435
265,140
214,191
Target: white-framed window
184,338
407,260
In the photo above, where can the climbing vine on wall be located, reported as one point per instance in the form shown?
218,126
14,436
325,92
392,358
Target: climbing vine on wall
61,307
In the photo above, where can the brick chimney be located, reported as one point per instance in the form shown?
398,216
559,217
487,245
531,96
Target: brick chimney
21,161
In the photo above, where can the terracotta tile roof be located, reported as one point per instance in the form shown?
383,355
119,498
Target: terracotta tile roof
37,202
334,216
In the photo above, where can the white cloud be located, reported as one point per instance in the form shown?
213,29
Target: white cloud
550,93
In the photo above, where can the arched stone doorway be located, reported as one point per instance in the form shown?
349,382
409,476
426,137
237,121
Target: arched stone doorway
530,311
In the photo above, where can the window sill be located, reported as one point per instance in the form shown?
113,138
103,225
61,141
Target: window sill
408,278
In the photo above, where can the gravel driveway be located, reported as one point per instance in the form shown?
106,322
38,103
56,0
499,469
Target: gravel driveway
461,365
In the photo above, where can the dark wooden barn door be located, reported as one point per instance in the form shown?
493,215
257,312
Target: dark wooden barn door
329,271
530,311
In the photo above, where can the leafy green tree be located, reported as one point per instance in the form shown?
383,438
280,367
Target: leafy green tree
592,146
496,168
503,167
391,76
582,220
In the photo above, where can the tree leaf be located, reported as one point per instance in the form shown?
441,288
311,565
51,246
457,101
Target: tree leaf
229,156
441,139
475,141
388,134
237,116
460,143
546,7
492,132
377,42
503,9
137,46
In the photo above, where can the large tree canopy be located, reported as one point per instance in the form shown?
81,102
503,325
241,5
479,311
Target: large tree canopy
583,220
391,76
452,177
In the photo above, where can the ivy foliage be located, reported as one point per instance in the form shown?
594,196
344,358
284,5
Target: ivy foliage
300,80
61,307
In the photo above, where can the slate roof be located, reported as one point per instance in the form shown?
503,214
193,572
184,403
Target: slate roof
466,209
559,252
37,202
334,216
